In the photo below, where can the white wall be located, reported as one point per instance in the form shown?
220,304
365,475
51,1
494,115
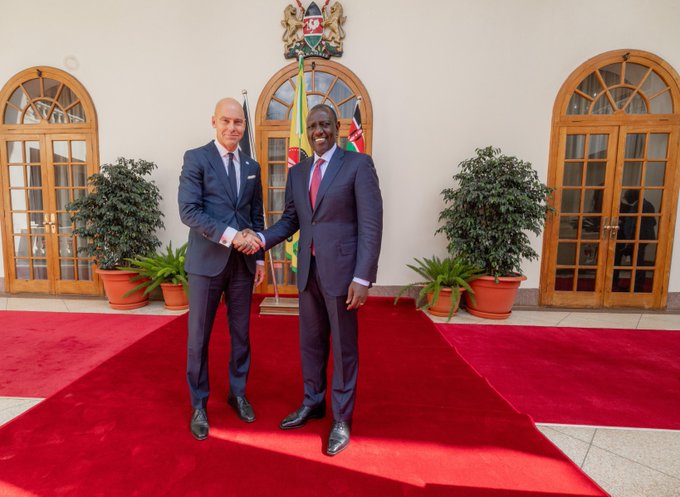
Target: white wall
445,77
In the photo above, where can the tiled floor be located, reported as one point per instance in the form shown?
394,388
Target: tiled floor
625,462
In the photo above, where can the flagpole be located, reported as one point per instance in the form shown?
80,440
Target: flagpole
251,139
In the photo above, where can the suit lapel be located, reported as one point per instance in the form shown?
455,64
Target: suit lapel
218,166
332,171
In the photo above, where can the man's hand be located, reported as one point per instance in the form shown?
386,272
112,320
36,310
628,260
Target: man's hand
356,295
259,274
247,241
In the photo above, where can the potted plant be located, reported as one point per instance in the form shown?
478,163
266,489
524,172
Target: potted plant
118,219
165,270
497,201
444,282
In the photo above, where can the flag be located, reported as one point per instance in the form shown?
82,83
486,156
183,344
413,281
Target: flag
298,148
355,139
246,140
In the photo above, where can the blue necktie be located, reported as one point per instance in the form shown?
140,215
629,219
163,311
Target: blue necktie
231,171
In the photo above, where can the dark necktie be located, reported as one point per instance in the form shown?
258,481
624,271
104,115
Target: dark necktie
316,181
231,171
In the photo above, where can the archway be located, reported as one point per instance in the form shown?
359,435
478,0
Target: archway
48,148
326,82
613,163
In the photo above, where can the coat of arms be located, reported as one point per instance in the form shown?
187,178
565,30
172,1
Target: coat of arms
313,31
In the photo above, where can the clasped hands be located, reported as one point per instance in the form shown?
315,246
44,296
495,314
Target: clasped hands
247,241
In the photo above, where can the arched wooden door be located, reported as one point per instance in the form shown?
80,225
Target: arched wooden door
614,164
325,82
48,148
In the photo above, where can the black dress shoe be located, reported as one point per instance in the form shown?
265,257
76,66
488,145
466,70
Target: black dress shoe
300,417
338,439
242,408
199,424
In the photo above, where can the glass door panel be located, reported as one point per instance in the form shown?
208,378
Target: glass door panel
23,174
587,161
70,166
274,176
642,202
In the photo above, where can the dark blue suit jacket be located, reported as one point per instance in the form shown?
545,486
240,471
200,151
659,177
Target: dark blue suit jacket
207,206
345,226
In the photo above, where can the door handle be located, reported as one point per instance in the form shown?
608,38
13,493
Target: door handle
613,232
614,228
605,227
50,221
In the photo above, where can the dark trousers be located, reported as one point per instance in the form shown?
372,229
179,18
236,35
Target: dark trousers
236,282
324,319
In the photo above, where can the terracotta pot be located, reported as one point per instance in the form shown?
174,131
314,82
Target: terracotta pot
118,283
494,300
443,305
174,296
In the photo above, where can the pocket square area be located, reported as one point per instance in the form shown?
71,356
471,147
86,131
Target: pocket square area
251,177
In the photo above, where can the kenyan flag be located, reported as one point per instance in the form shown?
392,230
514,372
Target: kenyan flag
355,140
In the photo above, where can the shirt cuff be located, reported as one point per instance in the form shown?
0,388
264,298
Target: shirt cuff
259,263
262,238
361,282
228,236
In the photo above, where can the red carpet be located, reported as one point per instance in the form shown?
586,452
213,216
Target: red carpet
43,352
604,377
425,425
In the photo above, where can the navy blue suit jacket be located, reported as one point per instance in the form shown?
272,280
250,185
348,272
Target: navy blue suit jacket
207,206
345,225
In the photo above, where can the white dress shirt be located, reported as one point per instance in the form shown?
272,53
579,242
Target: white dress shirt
230,233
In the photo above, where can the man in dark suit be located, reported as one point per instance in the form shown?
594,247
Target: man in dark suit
333,198
220,193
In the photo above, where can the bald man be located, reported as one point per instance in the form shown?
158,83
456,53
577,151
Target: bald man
220,194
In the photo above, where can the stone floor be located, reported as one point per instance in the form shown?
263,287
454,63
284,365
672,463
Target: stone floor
625,462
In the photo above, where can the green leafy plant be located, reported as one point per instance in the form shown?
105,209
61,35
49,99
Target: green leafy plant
451,272
119,217
159,268
498,199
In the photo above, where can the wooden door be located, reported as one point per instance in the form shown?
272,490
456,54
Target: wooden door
274,162
42,174
582,200
639,241
609,242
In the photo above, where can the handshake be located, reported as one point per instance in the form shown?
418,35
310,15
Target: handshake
247,241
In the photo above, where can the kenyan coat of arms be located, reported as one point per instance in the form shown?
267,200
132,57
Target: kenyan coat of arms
313,32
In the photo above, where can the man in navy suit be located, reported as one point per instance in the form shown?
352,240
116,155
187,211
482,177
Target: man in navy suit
220,194
333,198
